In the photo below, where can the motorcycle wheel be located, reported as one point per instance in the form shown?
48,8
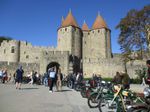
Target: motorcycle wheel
92,101
138,110
83,93
104,105
77,87
70,84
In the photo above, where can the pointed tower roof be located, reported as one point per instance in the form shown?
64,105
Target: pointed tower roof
85,27
99,23
70,20
62,20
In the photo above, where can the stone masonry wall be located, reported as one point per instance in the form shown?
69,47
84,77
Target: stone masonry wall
12,67
103,67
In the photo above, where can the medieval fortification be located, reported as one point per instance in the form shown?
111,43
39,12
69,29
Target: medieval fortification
78,50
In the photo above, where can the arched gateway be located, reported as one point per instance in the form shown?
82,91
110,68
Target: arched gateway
52,64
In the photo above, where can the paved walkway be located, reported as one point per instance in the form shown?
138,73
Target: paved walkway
38,99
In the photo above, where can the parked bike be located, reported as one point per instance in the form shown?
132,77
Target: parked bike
97,93
117,100
87,88
142,107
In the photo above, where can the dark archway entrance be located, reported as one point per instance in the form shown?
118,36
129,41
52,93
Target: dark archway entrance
52,64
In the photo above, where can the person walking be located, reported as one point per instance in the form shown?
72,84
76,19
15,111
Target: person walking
19,76
59,80
4,75
52,75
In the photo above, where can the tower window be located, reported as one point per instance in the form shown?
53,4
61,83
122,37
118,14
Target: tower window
65,29
84,42
12,49
98,31
27,56
93,31
88,33
37,57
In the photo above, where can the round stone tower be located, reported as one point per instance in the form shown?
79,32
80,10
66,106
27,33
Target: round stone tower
12,50
85,41
15,51
70,36
100,39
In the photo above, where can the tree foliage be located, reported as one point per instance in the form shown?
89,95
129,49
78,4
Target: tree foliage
4,38
133,32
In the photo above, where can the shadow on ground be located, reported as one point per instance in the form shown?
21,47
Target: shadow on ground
28,88
64,90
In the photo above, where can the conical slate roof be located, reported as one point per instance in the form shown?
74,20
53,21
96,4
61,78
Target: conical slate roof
70,20
85,27
99,23
62,20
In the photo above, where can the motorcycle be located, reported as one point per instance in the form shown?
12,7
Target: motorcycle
86,89
142,107
117,99
79,85
96,94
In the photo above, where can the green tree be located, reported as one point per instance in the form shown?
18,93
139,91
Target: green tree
133,32
4,38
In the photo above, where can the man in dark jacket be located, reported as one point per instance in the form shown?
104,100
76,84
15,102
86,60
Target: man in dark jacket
19,76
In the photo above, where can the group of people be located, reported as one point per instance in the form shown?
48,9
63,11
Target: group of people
34,78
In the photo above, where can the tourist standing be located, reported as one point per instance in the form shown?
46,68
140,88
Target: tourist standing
19,76
4,77
59,80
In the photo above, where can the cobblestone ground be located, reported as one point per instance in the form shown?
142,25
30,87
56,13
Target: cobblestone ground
33,98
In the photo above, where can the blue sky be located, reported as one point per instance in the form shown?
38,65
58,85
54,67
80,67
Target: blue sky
37,21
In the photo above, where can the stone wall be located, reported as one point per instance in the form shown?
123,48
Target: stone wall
9,51
108,67
65,39
96,44
61,58
12,67
104,67
135,65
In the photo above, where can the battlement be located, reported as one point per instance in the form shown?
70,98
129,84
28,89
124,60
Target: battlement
56,53
101,61
8,42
